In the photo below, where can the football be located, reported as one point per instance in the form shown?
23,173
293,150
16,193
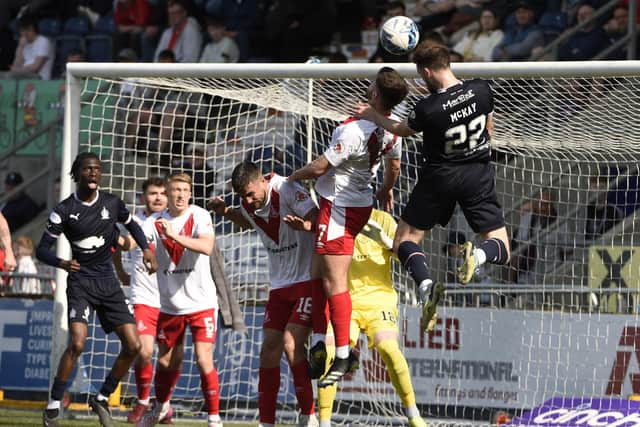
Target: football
399,35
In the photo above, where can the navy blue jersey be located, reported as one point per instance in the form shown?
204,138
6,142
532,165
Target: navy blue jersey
454,123
90,229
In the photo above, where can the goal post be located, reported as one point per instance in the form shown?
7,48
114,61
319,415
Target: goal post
567,175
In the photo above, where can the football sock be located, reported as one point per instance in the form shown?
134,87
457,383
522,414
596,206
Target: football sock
143,375
319,312
326,396
398,371
268,386
340,309
414,261
165,381
110,384
303,387
492,250
57,390
211,391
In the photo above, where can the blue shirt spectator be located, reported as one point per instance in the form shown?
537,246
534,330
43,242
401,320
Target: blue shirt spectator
587,42
519,41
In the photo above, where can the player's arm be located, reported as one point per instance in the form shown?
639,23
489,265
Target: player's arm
366,112
312,170
117,264
5,241
489,124
44,254
220,208
391,174
202,243
148,257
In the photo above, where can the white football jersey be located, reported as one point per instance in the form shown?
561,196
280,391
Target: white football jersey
290,251
184,277
144,286
354,154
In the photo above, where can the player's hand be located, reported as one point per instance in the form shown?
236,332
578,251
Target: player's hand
70,266
297,223
10,263
386,199
364,111
165,226
149,260
124,278
217,205
374,231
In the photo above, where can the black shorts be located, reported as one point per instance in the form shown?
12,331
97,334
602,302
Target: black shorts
103,295
440,187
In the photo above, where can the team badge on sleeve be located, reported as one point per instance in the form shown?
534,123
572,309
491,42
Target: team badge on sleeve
54,218
338,148
301,196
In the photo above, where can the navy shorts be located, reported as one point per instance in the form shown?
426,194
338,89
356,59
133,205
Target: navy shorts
440,187
104,295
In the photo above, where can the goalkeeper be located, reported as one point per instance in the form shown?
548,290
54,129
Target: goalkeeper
375,312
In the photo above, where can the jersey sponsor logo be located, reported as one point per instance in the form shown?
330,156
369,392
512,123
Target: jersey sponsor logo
459,100
75,216
54,218
90,244
104,213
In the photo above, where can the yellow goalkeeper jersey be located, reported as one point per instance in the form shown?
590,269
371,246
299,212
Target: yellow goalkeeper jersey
370,280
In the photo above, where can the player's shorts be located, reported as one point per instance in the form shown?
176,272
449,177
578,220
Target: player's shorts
439,187
338,226
146,319
288,305
171,327
372,320
104,295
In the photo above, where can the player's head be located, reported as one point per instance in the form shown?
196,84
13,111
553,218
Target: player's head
154,194
178,191
431,59
247,181
86,170
389,87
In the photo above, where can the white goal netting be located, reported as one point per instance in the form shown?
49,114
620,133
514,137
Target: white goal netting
552,324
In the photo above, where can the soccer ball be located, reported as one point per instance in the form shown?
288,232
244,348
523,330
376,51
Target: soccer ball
399,35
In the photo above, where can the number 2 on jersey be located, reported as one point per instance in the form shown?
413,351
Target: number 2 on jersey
465,136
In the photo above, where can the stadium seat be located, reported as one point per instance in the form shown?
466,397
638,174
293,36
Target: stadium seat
49,27
99,48
64,45
104,25
552,24
76,26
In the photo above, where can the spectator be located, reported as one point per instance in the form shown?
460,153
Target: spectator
35,53
239,18
478,45
434,13
519,41
131,17
221,48
587,42
601,216
8,260
20,207
616,28
183,36
74,55
538,242
203,175
23,250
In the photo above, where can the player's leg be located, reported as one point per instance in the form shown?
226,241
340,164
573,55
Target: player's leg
269,375
146,322
203,331
327,395
296,334
485,216
320,322
77,339
171,330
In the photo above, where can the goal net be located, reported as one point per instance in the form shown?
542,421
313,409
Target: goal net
560,322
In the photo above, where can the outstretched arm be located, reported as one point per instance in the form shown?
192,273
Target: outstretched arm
220,208
312,170
5,242
366,112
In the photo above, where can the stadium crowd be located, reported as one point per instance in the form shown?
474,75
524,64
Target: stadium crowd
40,36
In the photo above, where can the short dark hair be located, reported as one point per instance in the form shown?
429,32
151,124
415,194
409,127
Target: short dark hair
391,86
243,174
167,54
28,21
432,56
156,181
77,164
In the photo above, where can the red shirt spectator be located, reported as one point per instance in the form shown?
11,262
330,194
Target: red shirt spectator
132,12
